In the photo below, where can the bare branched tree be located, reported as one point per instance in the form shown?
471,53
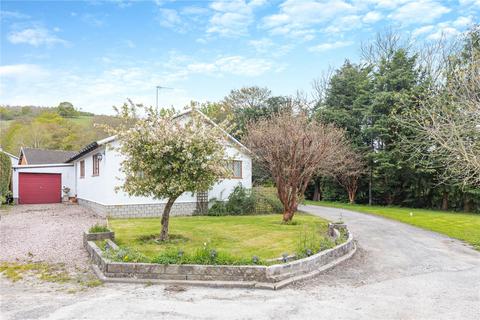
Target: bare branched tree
384,46
293,149
321,86
446,125
247,97
348,171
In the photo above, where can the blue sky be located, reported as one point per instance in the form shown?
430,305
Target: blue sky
97,53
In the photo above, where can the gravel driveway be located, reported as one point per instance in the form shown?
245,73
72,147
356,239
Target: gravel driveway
47,232
398,272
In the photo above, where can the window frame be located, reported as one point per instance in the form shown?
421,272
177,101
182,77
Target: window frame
231,164
95,166
82,169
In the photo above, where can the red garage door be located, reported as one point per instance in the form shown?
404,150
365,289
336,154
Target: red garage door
39,188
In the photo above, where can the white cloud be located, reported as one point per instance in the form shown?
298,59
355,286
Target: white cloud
232,18
296,18
419,12
233,65
4,15
463,22
93,20
422,30
330,45
181,19
22,70
170,18
266,47
94,91
443,31
194,10
470,3
372,17
387,4
344,23
261,45
35,36
111,83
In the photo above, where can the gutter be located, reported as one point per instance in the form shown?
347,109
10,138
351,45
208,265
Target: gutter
48,165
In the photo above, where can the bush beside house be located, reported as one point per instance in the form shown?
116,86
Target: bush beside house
242,201
5,177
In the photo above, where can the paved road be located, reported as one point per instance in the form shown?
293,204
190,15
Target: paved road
399,272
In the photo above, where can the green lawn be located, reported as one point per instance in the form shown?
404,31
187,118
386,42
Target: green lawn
240,236
461,226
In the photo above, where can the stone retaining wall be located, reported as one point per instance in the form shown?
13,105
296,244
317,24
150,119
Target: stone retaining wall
268,277
138,210
110,235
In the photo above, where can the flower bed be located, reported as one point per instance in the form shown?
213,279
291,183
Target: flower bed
255,276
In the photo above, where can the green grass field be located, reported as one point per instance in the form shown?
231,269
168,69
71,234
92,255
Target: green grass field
82,120
462,226
241,236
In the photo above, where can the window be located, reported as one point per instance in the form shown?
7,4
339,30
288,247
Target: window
235,167
96,165
82,169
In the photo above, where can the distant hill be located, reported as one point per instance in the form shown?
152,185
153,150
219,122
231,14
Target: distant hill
61,127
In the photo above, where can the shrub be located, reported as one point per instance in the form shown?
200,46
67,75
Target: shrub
170,256
5,176
267,200
97,228
218,208
311,242
204,255
244,201
241,201
124,254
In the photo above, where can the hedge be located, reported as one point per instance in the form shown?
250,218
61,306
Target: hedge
5,176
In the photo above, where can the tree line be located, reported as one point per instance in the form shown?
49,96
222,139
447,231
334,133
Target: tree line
411,116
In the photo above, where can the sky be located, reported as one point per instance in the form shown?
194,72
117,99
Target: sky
96,54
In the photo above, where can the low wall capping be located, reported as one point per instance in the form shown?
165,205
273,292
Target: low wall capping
248,276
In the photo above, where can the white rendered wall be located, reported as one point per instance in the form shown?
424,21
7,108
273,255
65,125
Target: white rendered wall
66,170
101,189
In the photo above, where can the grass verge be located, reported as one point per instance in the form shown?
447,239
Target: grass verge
44,271
462,226
53,273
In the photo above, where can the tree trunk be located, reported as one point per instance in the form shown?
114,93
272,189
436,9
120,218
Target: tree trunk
166,218
445,201
351,196
467,204
288,215
370,182
317,193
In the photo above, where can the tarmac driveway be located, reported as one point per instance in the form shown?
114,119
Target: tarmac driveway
398,272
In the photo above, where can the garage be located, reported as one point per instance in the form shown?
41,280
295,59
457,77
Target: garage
39,188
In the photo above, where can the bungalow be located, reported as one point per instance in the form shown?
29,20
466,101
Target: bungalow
92,174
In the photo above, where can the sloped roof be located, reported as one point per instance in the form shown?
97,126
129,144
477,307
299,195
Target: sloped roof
94,145
42,156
